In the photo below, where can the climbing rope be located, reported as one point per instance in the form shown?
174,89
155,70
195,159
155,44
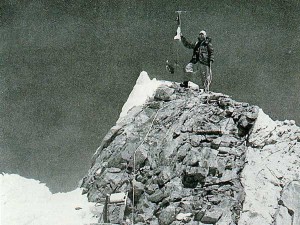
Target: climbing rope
134,154
134,164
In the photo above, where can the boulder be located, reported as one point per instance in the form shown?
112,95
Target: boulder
157,196
185,217
163,93
212,216
167,215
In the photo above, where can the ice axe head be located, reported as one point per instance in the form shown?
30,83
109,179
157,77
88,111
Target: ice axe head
180,11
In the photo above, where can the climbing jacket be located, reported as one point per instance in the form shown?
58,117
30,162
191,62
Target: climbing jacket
203,51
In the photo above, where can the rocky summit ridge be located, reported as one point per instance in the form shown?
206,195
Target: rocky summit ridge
186,157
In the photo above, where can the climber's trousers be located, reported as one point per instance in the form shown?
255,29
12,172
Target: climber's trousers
201,69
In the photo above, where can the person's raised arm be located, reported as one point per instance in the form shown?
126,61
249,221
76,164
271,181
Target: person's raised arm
186,43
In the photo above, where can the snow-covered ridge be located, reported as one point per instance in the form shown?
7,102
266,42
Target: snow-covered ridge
271,173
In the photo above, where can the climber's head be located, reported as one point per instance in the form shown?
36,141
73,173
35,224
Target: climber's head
202,35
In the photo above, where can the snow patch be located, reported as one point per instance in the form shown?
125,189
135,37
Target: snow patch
261,129
264,121
143,89
27,201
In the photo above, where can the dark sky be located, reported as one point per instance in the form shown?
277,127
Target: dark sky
67,68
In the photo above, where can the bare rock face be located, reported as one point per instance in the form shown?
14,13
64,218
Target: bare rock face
191,158
179,157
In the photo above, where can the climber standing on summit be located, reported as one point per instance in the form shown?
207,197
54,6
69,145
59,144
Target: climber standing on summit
203,54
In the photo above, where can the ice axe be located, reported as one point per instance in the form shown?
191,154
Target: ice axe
178,19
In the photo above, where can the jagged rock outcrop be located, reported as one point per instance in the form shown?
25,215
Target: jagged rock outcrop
184,151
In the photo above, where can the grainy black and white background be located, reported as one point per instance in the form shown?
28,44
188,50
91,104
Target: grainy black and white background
67,67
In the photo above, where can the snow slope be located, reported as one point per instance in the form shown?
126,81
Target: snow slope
27,201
